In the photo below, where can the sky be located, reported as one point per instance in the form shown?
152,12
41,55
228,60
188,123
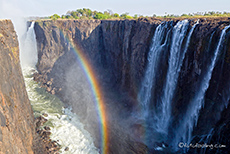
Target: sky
142,7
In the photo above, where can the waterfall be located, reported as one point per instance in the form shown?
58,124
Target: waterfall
160,118
153,61
184,133
175,61
206,139
66,127
29,55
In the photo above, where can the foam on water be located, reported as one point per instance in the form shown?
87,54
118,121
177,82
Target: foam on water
66,127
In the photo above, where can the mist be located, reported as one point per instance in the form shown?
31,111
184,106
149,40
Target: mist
121,124
15,11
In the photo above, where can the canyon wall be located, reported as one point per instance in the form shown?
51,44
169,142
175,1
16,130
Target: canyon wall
115,49
119,46
17,129
118,51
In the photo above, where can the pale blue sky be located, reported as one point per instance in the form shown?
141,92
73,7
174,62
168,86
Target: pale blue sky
143,7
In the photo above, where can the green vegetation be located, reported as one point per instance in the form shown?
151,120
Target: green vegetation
200,14
89,14
55,17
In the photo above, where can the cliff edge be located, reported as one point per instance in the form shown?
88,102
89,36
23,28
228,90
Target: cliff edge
16,116
17,129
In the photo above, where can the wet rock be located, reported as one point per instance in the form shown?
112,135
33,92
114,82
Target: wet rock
49,83
49,89
67,149
51,147
47,128
46,135
45,114
39,121
53,91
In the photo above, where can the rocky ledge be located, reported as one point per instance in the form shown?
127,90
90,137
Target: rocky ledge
51,147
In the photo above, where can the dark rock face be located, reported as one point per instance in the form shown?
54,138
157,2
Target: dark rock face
203,43
198,57
118,52
117,49
120,47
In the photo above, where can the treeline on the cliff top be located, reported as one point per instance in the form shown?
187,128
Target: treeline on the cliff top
109,14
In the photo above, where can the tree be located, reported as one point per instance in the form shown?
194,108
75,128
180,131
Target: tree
94,13
116,15
74,15
55,17
135,16
89,13
126,16
80,11
68,17
100,15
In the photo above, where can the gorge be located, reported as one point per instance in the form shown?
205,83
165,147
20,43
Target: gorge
152,85
162,78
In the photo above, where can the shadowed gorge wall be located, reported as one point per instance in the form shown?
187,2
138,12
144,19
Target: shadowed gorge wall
93,37
118,51
121,45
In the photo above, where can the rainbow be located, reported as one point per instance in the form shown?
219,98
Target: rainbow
97,92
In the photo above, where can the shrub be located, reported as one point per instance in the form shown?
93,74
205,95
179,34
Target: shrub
100,16
54,17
